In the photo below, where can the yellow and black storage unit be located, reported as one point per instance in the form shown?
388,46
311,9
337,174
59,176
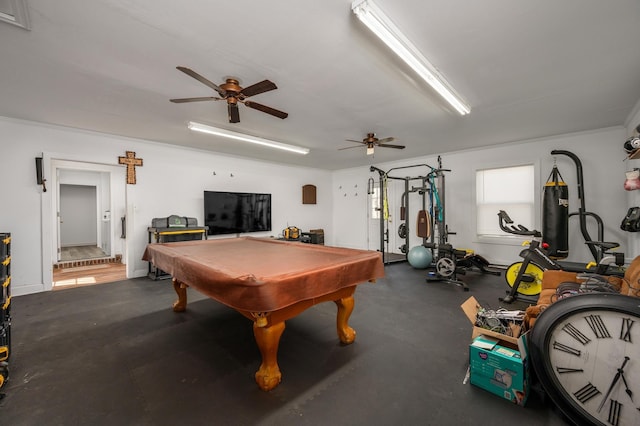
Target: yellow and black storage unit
172,229
5,306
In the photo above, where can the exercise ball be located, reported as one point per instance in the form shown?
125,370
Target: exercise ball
420,257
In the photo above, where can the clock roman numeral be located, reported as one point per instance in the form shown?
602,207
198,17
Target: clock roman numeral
625,330
563,370
597,326
565,348
586,393
572,331
614,412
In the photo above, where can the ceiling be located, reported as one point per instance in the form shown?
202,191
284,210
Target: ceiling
528,69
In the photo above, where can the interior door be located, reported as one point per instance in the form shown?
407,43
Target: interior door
78,213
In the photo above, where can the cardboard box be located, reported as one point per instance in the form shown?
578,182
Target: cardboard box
501,370
471,308
498,362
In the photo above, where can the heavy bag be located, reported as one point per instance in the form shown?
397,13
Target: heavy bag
555,215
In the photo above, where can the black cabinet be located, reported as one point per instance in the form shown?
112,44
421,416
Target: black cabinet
5,306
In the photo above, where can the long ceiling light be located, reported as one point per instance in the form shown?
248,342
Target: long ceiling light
381,25
203,128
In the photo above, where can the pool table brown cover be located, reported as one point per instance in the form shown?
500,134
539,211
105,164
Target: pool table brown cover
268,281
263,274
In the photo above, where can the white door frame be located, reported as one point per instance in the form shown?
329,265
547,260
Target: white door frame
50,231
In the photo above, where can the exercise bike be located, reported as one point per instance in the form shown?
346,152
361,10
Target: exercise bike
525,277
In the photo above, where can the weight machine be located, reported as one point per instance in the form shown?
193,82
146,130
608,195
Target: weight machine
447,261
405,227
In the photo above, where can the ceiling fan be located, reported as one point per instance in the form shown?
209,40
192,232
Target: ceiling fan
371,141
233,93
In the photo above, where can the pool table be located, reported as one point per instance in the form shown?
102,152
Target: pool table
268,281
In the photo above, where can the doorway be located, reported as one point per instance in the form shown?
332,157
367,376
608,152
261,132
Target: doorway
79,223
87,243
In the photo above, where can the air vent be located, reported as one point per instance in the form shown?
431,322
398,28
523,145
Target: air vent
15,12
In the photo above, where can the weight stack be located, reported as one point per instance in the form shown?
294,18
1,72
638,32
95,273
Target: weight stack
5,306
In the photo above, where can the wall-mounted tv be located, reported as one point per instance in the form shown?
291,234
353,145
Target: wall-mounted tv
236,212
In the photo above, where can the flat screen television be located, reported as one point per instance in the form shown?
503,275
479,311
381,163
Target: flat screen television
236,212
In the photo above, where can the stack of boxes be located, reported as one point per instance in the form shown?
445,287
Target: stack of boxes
5,302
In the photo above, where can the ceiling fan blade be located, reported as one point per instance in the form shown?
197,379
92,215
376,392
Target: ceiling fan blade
385,140
234,114
202,80
391,146
207,98
360,142
349,147
266,109
263,86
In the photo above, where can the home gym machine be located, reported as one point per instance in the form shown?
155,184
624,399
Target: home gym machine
446,261
404,227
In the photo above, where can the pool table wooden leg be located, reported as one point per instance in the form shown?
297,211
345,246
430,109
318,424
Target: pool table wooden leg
268,339
180,305
345,306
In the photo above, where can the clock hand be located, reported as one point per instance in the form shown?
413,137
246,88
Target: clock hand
626,386
613,383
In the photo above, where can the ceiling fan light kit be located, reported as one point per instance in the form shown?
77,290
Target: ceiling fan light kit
371,141
203,128
231,92
381,26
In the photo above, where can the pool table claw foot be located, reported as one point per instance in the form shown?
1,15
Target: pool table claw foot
346,334
268,375
268,378
180,305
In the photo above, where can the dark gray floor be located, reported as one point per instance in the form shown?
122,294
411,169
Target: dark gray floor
116,354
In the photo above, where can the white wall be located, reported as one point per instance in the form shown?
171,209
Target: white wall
601,155
171,181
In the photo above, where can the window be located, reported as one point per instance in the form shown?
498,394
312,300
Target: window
511,189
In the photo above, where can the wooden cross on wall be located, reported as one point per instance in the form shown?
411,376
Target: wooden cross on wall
131,161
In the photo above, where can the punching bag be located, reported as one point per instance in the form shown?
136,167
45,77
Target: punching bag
555,215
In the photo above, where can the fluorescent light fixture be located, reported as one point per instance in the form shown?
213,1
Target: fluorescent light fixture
381,25
198,127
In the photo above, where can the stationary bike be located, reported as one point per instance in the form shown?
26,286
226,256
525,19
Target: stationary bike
525,277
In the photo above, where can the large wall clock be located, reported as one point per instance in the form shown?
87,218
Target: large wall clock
585,350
